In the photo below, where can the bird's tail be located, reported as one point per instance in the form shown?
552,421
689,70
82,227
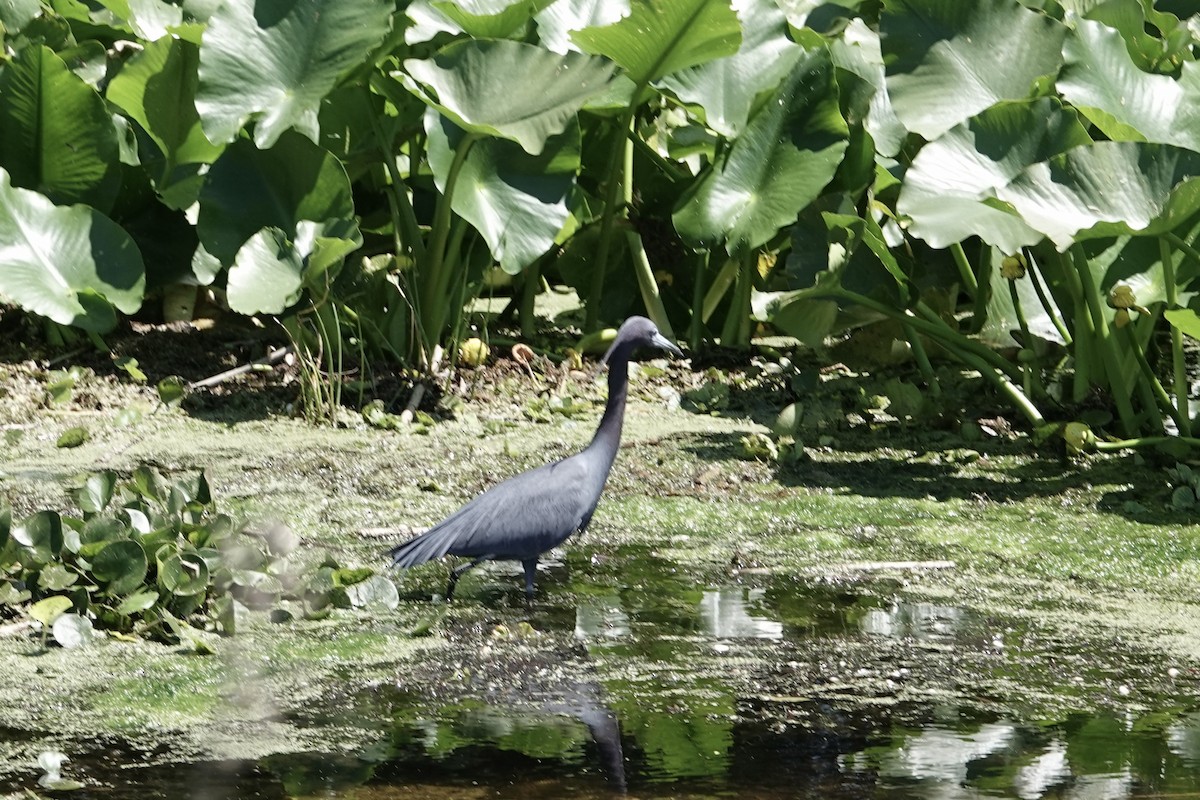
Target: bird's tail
433,543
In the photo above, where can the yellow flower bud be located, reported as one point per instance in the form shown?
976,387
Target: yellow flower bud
472,352
1122,296
1013,267
1121,318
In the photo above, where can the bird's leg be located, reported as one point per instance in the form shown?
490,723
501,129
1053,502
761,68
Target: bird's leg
530,566
458,571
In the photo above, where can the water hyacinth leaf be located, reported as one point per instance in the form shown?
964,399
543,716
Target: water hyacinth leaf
73,437
558,19
945,191
1107,189
376,592
41,535
786,156
248,189
56,134
71,264
183,574
664,36
728,87
72,631
47,610
171,390
1123,101
471,83
56,577
137,603
96,492
941,57
120,565
517,201
273,61
157,88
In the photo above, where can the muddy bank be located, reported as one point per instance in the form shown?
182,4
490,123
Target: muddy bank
714,602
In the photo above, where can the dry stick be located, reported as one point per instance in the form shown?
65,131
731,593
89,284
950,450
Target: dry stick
273,357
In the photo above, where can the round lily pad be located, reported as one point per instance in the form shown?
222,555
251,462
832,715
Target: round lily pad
121,565
183,574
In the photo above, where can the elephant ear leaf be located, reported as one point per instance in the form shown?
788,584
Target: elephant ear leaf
69,263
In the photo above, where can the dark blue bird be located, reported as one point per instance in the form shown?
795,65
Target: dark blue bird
530,513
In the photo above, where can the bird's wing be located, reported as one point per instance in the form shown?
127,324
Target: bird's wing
518,518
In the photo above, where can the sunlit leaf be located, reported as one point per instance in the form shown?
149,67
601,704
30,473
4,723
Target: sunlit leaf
71,264
1125,102
664,36
728,87
56,134
72,631
1107,189
788,153
46,611
948,60
945,191
273,61
518,202
471,83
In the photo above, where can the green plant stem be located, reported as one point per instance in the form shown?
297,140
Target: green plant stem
1183,418
404,219
717,289
648,285
1180,244
1044,298
1116,379
938,328
531,279
1144,441
736,330
971,353
964,268
696,328
1033,368
435,278
918,349
613,187
982,293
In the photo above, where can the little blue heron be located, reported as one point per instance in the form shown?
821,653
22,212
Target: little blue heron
528,514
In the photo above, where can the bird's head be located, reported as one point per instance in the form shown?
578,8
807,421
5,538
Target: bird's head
640,332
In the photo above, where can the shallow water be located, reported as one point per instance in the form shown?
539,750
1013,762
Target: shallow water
707,691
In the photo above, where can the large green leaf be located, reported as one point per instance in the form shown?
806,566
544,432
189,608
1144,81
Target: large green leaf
120,565
945,191
249,189
1123,101
56,135
16,14
271,269
664,36
1107,189
274,60
556,21
857,51
948,60
517,201
41,535
472,83
786,156
727,88
157,88
66,263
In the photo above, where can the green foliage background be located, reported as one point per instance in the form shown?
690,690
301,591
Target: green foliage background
359,167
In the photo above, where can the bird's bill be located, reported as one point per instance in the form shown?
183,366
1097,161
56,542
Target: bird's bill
663,343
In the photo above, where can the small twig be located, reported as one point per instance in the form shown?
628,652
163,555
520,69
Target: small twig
271,358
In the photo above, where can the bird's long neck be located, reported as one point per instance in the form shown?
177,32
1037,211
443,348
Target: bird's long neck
608,435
